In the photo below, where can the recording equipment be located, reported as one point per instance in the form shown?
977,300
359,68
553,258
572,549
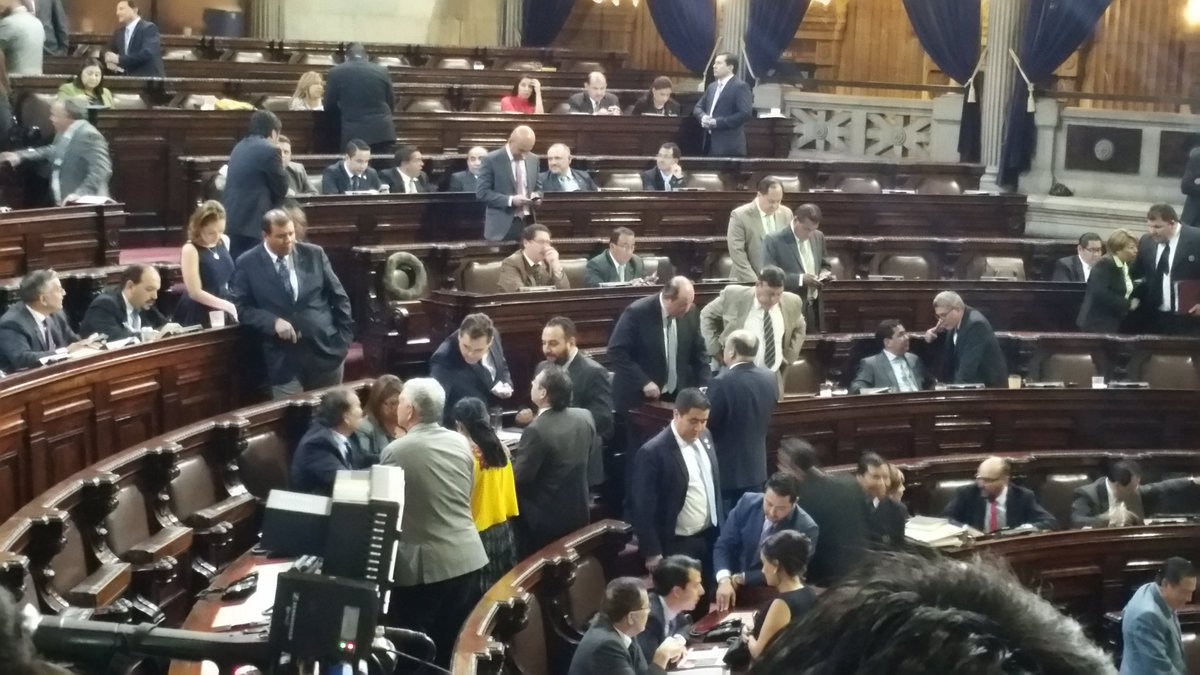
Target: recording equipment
322,618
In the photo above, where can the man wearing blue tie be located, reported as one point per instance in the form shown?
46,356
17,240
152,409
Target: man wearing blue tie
561,177
724,109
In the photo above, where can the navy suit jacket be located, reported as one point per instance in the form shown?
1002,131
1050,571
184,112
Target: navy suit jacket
638,353
22,344
360,93
463,181
977,356
1069,268
318,458
1020,505
335,180
737,548
396,183
144,56
734,108
320,312
657,630
107,315
660,486
461,379
742,399
255,183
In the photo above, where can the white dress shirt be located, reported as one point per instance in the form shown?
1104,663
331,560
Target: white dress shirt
619,266
517,166
717,94
905,378
754,324
1087,269
1001,510
1118,513
1166,280
768,221
699,503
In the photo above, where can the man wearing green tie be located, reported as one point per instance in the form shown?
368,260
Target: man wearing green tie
894,367
561,177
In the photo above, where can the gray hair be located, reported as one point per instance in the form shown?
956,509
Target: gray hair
427,397
334,405
948,300
76,107
744,344
34,284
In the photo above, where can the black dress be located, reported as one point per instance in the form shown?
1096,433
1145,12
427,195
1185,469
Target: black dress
216,266
798,602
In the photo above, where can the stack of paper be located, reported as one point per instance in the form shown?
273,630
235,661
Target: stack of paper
936,532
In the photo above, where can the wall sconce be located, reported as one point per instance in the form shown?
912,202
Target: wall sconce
1191,13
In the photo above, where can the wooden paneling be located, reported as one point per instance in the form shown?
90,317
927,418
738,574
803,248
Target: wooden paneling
63,238
1138,49
878,45
621,28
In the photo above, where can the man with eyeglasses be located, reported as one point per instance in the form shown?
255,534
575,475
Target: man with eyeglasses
974,355
1078,267
619,264
994,503
895,367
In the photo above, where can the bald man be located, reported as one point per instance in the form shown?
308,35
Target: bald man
594,99
561,177
467,181
508,186
994,503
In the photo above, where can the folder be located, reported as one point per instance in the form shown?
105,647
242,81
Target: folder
1187,295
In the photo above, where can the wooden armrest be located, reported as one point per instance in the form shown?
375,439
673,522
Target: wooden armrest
101,587
231,510
169,541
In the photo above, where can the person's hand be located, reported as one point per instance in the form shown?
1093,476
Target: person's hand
10,158
826,275
521,200
614,110
810,281
677,171
670,651
537,84
284,331
92,341
229,308
1195,310
726,595
524,417
111,58
929,335
651,391
502,389
169,329
652,563
552,261
1134,304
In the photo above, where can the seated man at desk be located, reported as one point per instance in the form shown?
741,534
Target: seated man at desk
994,503
128,309
678,587
561,177
973,355
327,447
667,174
351,173
1119,498
619,264
36,327
536,264
894,367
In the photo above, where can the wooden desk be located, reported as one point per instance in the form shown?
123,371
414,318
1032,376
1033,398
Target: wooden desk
62,238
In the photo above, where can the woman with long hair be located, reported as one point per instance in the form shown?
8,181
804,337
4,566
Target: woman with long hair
494,496
379,425
784,558
526,97
206,266
310,92
88,84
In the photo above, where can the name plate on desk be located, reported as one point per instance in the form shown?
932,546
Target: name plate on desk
1118,384
963,385
538,289
1045,385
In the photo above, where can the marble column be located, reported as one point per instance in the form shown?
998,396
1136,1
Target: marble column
511,14
731,32
1005,19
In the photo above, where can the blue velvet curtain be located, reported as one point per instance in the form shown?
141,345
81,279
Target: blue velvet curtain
769,30
1053,31
688,28
949,32
543,20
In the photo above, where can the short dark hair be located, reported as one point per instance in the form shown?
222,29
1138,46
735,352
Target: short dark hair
557,384
356,50
790,550
531,231
1174,570
784,484
661,82
673,149
132,3
767,182
34,284
275,218
333,406
133,273
903,613
867,461
477,325
1122,472
622,596
810,212
887,328
1163,212
772,276
263,123
564,324
673,572
691,399
1088,237
615,236
405,153
355,146
799,453
730,59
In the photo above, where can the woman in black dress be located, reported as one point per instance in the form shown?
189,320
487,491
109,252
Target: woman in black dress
206,266
784,557
1109,297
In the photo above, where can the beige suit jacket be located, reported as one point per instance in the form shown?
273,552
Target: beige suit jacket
515,273
728,313
745,239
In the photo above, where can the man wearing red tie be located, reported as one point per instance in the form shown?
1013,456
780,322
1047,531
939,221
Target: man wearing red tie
507,187
994,503
724,109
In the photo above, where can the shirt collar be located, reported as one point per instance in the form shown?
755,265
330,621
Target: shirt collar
346,168
129,28
1082,262
893,357
668,615
679,439
1175,237
38,317
1002,498
725,80
662,305
1112,496
129,308
571,357
625,639
614,260
528,262
276,258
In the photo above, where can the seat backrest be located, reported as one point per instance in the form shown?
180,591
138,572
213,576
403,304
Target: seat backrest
627,180
70,565
575,269
860,185
907,266
129,102
319,59
128,524
264,464
564,108
709,180
724,266
791,183
939,185
481,277
456,63
427,105
194,488
276,103
586,593
314,179
1002,266
524,65
941,493
529,644
488,104
179,55
1057,492
1170,371
392,61
249,57
837,266
1069,368
650,265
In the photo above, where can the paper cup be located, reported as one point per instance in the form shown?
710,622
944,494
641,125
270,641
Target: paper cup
216,319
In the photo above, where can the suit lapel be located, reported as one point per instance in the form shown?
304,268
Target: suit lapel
886,367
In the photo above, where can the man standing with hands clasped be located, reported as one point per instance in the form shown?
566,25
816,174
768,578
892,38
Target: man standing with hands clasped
724,110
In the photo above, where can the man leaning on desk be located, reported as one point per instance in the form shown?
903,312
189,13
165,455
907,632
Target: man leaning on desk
1119,498
36,327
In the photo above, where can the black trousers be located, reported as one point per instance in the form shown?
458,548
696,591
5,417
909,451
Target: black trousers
438,609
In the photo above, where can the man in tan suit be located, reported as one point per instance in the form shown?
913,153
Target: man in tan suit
775,316
749,223
536,264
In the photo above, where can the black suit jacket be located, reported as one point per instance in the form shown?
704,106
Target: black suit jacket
601,651
840,511
22,344
742,398
886,523
580,103
638,352
335,180
1068,268
660,487
1104,304
782,249
144,56
734,108
107,315
550,470
361,94
396,183
976,358
318,458
255,183
602,270
657,629
591,388
969,507
1189,187
1090,501
1185,264
652,180
463,181
461,379
645,106
549,182
320,312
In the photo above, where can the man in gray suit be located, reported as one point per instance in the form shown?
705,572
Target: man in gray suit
78,155
506,186
1150,633
799,251
749,223
22,38
36,327
894,367
1119,498
440,552
54,21
551,464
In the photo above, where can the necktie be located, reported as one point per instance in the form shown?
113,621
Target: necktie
768,340
282,268
767,530
1163,270
47,336
907,383
993,516
706,476
519,176
667,184
621,273
355,183
537,274
672,350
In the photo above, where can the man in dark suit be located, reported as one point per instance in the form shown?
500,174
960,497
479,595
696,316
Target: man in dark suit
470,362
360,93
1119,498
287,293
885,517
128,309
799,251
837,506
678,587
79,162
607,646
970,352
667,174
506,186
561,177
255,182
1078,267
407,176
550,464
1168,254
895,367
619,264
1190,186
594,99
54,20
676,499
326,447
758,515
724,109
994,503
135,48
743,397
36,327
467,181
352,173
